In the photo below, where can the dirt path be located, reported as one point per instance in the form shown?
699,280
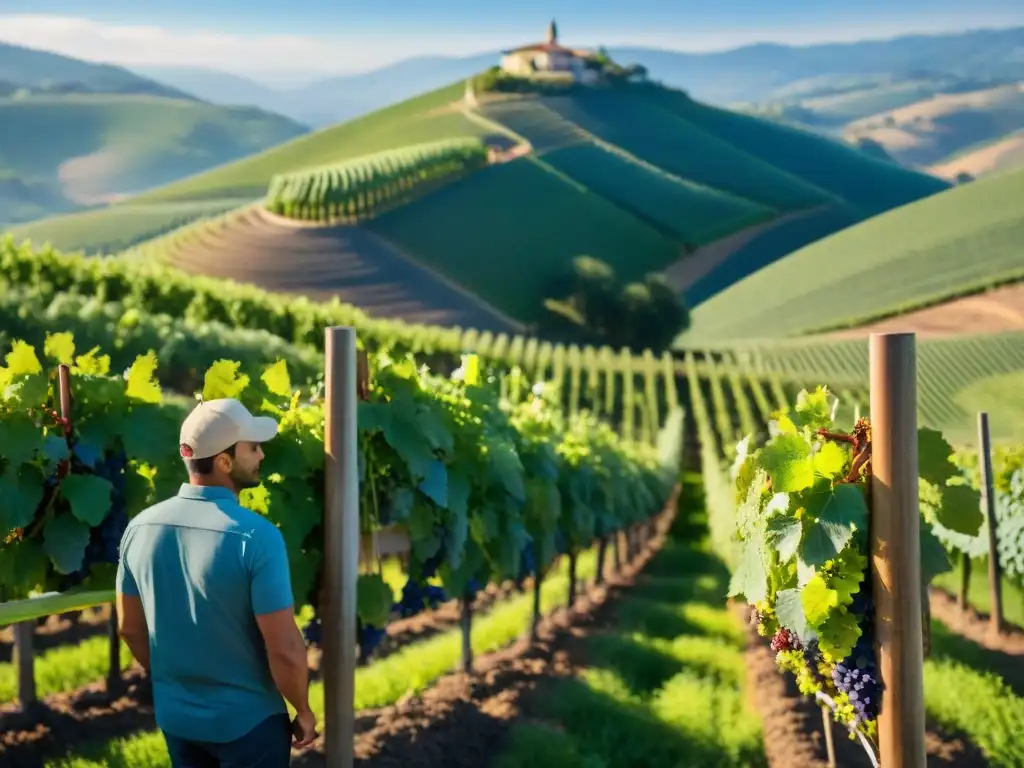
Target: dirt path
998,310
692,267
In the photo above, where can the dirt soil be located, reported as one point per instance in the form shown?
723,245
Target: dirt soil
999,310
793,728
460,721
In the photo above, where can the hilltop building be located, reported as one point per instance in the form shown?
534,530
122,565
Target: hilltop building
551,57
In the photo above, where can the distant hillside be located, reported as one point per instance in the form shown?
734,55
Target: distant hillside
644,178
949,244
1005,153
40,70
76,134
755,73
926,132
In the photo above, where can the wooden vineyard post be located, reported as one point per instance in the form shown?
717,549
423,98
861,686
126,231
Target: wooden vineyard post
988,502
602,550
466,622
617,551
24,662
538,581
341,544
896,549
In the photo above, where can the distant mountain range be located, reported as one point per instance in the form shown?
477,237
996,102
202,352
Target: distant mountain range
755,73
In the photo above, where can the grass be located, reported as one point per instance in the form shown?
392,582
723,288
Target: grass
383,682
128,142
117,228
408,122
964,692
664,686
985,367
978,595
870,185
507,232
936,248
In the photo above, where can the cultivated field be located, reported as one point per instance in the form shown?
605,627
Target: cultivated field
1003,154
351,263
967,238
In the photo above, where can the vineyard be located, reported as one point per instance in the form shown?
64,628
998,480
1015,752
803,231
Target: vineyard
574,558
357,188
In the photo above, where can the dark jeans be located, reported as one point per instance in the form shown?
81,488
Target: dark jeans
268,745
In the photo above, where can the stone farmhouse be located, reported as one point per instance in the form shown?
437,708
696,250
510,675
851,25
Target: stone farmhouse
552,58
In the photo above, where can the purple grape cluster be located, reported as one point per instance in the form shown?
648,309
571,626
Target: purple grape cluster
857,676
105,539
417,594
812,657
369,638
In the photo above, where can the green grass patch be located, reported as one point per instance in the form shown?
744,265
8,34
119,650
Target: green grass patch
937,248
978,594
664,687
507,232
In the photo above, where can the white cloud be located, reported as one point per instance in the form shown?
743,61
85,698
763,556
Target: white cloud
146,45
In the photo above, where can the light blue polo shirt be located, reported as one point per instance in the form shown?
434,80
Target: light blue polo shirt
204,566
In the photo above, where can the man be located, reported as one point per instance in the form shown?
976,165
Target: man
204,602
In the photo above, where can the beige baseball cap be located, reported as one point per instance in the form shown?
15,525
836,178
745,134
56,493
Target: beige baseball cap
216,425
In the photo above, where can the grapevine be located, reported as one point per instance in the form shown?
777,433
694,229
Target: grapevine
475,480
801,524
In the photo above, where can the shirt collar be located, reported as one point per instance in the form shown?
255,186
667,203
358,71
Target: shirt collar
205,492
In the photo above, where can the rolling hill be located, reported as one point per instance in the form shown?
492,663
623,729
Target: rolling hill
942,247
926,132
640,176
129,134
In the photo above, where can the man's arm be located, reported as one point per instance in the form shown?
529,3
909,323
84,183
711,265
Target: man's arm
272,604
131,618
131,625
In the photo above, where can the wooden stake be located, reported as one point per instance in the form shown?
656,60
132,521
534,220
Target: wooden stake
988,503
572,577
24,662
466,621
114,679
896,549
830,745
538,580
341,544
602,549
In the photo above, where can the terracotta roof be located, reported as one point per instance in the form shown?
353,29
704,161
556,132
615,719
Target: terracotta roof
549,48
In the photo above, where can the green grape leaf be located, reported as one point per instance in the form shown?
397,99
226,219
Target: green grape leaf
934,559
421,527
60,347
19,438
833,516
142,383
374,599
277,379
458,491
456,578
783,535
148,431
22,360
31,390
458,534
64,542
787,459
222,379
846,584
435,485
960,509
818,600
404,436
830,460
89,497
507,470
402,501
933,457
21,490
138,491
750,579
813,409
55,450
789,610
92,363
838,635
23,565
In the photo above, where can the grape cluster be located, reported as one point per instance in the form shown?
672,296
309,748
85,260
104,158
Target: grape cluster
417,594
861,686
105,539
368,638
812,657
784,640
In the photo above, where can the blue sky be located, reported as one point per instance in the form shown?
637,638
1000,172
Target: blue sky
333,36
